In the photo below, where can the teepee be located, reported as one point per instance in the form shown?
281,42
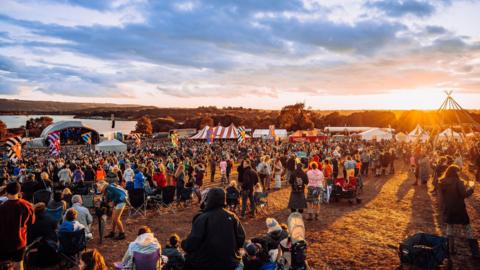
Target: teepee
452,115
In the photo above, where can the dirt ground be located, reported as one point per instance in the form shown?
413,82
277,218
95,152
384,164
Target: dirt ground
346,236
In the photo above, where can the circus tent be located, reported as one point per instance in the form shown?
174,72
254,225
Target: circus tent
220,133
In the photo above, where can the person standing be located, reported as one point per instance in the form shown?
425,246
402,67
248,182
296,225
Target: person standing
118,196
216,237
315,191
278,170
213,167
365,159
453,194
298,180
250,179
128,176
17,215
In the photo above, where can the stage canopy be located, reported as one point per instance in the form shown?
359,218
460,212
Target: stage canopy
111,146
377,134
70,132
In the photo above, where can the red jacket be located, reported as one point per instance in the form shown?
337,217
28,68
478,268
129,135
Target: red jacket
160,179
16,215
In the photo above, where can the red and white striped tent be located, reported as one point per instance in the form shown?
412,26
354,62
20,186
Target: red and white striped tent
220,132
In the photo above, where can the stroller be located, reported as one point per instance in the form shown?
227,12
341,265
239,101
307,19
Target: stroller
346,190
425,251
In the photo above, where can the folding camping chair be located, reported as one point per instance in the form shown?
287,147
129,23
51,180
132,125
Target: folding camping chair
137,202
168,198
71,245
55,214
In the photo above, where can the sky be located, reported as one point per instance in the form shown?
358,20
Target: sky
330,54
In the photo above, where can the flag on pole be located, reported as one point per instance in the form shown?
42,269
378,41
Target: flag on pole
210,136
14,148
137,137
54,143
174,138
241,134
87,137
113,120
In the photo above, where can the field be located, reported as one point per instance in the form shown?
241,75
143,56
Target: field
346,236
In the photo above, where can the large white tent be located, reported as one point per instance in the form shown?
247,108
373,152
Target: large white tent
418,134
263,133
401,137
377,134
111,146
449,134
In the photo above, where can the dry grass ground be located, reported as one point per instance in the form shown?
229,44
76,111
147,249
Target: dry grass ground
346,236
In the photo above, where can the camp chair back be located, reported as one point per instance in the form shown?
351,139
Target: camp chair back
149,261
168,195
137,202
55,214
42,196
88,200
72,243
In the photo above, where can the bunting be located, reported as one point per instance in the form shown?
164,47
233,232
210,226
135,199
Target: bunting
14,148
54,143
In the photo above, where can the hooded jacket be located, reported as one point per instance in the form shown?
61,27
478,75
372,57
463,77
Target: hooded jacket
176,260
145,243
453,193
216,237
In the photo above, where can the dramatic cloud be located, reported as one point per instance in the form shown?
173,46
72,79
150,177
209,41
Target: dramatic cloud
188,49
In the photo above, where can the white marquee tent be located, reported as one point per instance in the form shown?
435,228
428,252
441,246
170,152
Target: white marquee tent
401,137
418,134
377,134
263,133
449,134
111,146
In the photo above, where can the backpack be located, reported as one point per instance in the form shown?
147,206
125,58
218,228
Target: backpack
297,184
298,256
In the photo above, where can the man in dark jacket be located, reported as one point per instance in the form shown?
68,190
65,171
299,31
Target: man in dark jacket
250,179
216,237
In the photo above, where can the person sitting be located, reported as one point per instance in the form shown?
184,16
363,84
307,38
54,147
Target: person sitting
176,260
45,228
275,234
29,187
83,215
233,196
145,243
92,260
57,201
252,259
71,223
112,175
67,197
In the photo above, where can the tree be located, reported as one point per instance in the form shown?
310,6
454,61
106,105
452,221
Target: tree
295,117
35,126
3,130
144,126
164,124
206,121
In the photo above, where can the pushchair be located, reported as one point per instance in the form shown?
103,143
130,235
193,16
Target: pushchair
346,190
424,251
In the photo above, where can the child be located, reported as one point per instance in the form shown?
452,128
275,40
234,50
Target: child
233,196
176,260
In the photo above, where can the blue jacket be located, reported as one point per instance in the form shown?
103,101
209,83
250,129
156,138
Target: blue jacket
70,226
139,181
116,194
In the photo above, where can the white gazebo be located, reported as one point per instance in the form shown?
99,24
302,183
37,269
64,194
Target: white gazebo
418,134
449,134
377,134
111,146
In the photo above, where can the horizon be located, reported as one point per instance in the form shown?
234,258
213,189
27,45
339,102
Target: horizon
331,55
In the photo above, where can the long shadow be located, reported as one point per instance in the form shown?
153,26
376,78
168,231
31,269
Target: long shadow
404,188
422,217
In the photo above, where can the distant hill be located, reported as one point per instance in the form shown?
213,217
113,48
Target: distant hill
16,106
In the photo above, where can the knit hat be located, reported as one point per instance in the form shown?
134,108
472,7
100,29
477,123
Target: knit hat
251,249
272,225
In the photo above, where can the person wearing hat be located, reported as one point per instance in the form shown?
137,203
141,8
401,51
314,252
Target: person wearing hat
17,215
275,233
298,180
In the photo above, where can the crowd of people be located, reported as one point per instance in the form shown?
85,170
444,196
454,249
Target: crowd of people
217,239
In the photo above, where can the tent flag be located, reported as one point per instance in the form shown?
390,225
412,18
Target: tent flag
87,137
240,134
113,120
210,135
14,147
118,136
54,143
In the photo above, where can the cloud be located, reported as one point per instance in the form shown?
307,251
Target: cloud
399,8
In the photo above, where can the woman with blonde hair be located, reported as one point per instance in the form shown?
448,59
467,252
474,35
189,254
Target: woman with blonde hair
92,260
